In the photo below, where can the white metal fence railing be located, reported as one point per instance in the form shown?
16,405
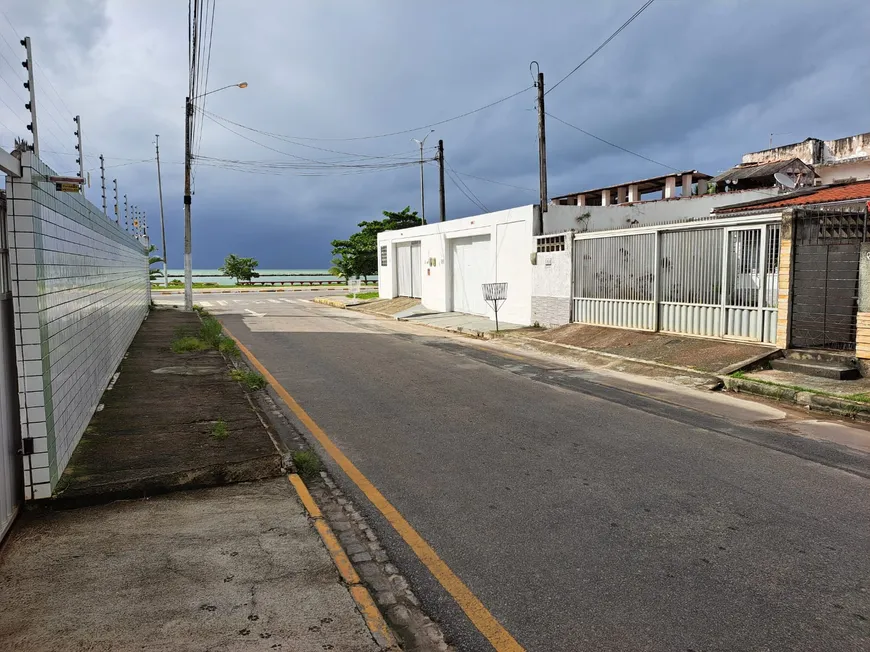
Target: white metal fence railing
712,279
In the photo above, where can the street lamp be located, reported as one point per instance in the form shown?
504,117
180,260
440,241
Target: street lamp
422,193
188,120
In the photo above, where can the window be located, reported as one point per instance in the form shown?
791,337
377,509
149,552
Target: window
384,256
551,243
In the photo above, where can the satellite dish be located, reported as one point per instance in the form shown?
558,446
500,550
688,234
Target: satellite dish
784,180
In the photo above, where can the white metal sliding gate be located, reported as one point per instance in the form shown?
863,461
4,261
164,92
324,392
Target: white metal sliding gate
11,482
713,278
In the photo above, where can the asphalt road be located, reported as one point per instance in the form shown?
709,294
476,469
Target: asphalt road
583,516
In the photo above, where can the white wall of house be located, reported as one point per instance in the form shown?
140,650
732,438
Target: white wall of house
857,170
507,259
561,218
551,280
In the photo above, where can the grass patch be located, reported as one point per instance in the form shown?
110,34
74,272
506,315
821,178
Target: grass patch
188,344
228,347
364,295
250,379
307,464
219,430
859,398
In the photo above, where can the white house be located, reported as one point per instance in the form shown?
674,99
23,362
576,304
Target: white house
445,264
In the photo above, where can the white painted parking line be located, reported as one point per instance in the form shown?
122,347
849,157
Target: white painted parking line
273,300
223,303
205,304
288,300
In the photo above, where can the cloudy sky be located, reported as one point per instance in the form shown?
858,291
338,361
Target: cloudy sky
690,84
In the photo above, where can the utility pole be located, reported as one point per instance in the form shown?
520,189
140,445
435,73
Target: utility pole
162,226
188,269
81,159
103,182
422,191
542,142
31,105
441,200
126,213
115,182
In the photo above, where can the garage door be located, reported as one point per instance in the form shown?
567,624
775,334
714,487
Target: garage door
409,269
470,269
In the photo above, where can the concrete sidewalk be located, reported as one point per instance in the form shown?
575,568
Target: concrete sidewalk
228,561
154,433
227,568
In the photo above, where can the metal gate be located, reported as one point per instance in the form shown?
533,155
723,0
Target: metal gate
824,296
11,482
409,269
711,278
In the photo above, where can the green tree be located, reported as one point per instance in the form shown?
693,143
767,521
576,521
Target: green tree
241,269
358,255
152,260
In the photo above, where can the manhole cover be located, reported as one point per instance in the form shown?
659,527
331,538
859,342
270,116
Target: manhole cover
188,371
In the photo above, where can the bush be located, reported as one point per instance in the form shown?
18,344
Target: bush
187,344
251,379
307,464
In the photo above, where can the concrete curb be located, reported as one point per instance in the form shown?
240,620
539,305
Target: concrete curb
215,475
761,357
298,288
809,400
378,627
330,302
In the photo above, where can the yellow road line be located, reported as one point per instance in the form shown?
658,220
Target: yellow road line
370,612
345,568
372,615
478,614
305,497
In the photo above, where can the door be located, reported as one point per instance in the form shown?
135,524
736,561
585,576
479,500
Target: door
744,269
824,297
409,269
470,269
11,482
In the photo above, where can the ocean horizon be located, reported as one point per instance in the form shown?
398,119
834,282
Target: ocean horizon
215,276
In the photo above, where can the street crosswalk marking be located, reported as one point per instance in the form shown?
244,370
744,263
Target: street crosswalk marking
288,300
205,303
223,303
273,301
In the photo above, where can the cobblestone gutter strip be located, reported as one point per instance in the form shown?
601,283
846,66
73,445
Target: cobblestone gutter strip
809,400
372,566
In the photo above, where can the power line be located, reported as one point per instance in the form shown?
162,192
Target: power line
628,22
288,139
413,129
607,142
501,183
482,205
454,181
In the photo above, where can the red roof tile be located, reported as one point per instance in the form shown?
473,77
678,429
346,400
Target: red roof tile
846,192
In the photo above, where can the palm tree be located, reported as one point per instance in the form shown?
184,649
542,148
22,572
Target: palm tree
341,267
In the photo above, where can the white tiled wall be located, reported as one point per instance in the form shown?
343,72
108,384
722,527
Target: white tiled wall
80,288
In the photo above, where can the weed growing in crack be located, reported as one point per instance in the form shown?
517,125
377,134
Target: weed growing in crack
219,430
188,344
251,379
228,347
307,464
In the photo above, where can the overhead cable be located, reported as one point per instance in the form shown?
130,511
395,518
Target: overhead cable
628,22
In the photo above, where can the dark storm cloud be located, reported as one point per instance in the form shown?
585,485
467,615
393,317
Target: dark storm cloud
693,85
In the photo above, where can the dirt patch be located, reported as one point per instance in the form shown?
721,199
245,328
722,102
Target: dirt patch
695,353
